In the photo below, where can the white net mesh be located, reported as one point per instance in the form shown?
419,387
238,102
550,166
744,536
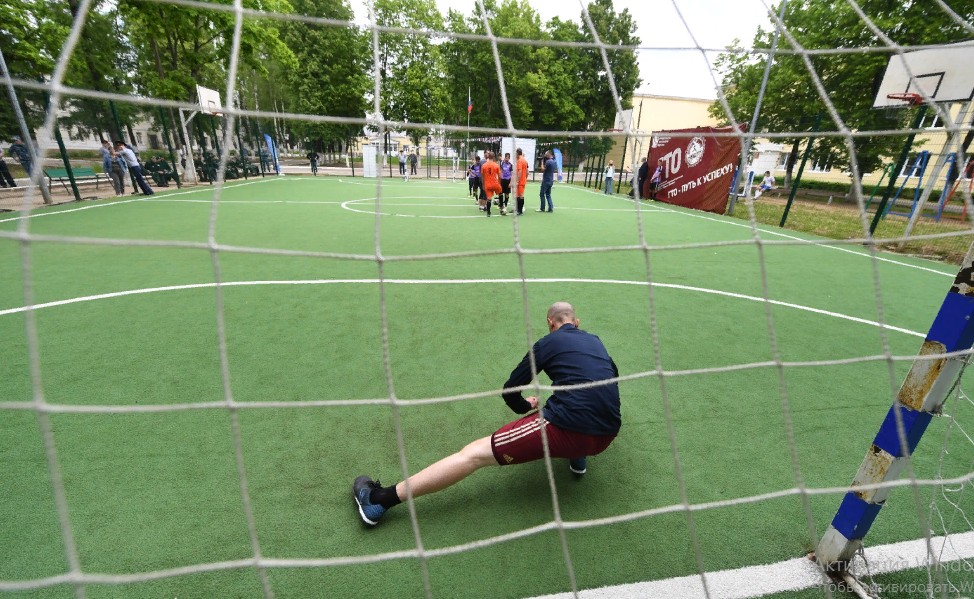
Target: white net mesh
935,495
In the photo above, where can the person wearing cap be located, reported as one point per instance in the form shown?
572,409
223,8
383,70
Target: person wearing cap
21,153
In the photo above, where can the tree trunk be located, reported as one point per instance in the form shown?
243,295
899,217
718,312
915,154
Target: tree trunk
792,158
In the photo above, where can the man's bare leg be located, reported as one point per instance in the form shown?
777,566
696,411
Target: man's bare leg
450,470
373,500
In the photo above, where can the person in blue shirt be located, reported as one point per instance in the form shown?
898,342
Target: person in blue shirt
111,167
577,422
21,154
548,181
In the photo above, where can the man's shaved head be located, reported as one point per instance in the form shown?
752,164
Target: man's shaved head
561,312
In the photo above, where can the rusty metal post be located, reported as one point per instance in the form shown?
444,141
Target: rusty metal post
931,379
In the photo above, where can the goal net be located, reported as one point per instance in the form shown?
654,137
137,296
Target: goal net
194,379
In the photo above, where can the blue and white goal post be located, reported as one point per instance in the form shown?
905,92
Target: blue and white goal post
932,377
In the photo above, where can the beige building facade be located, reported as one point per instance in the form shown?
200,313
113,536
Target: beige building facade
655,113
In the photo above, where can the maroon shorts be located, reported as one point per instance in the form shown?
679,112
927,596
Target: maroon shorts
520,441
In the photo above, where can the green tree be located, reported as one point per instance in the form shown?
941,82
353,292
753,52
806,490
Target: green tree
330,72
849,78
178,47
98,63
548,87
412,87
613,28
466,63
567,67
31,41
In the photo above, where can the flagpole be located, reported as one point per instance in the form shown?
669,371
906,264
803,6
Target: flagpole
468,124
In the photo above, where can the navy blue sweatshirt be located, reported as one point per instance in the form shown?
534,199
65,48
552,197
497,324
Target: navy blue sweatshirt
570,356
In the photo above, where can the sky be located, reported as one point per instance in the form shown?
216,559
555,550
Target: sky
664,71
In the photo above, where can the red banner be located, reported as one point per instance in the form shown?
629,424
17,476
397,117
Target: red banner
698,167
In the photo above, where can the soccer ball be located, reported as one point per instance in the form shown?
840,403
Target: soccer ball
503,212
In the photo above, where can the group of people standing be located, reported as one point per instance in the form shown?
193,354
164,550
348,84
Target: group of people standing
413,160
119,161
655,180
487,179
490,183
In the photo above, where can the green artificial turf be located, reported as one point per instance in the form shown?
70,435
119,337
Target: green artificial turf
154,491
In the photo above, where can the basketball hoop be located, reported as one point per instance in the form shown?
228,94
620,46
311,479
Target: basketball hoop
909,100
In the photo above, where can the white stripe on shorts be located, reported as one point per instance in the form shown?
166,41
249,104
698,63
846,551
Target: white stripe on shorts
518,433
517,430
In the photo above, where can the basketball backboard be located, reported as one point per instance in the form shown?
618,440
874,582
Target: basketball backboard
623,119
943,74
209,100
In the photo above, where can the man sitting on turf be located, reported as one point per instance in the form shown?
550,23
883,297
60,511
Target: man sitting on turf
577,422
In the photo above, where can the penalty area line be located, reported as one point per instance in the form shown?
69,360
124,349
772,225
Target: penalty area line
790,575
717,292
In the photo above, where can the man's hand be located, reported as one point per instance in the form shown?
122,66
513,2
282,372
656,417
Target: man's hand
533,401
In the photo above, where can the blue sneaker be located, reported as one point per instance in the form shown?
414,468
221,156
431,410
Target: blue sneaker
578,466
362,490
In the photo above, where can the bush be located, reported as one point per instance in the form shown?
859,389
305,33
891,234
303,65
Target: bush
836,186
845,189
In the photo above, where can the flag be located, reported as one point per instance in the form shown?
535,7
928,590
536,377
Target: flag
469,102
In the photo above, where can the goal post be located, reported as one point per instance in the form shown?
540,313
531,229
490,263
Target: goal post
934,374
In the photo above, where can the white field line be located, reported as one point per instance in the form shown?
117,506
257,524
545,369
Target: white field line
741,583
792,237
791,575
658,208
459,282
386,180
667,208
164,198
186,201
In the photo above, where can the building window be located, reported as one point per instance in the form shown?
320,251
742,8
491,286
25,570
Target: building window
822,163
910,167
138,138
154,142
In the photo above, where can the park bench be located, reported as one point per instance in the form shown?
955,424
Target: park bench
160,171
84,173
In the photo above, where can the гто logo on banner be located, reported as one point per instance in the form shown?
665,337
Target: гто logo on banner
694,153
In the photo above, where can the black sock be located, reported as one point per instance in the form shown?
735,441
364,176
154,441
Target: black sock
385,496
